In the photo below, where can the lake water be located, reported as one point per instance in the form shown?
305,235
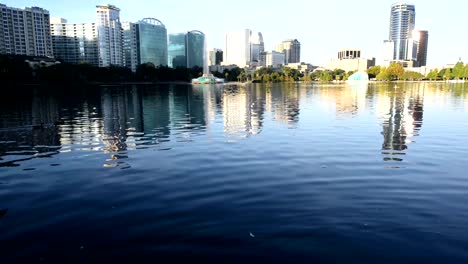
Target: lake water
264,173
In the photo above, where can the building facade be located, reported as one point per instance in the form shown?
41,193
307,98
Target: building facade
109,35
257,47
421,39
349,54
187,50
274,59
195,49
176,51
144,42
237,48
152,41
25,31
402,23
350,60
291,49
74,43
215,57
130,45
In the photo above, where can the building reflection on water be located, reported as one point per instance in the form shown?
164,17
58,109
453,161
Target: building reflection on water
242,111
401,112
117,119
122,118
283,102
28,127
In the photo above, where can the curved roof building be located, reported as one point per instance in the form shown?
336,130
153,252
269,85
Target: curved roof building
152,41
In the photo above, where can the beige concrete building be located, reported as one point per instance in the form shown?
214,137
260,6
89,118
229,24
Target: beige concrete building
350,60
305,68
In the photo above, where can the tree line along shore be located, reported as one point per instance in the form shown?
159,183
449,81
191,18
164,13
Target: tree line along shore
16,69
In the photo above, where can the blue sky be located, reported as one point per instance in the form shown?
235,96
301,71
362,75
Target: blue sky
322,27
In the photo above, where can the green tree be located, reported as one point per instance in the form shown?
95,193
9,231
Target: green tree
315,75
465,72
383,75
458,70
411,76
338,74
374,71
275,77
395,71
433,75
325,76
448,75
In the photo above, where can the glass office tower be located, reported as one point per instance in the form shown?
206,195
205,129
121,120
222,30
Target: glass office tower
176,51
152,41
195,46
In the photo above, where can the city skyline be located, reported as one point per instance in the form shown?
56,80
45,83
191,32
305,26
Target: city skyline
321,33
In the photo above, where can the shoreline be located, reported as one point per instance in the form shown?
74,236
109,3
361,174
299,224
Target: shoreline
189,83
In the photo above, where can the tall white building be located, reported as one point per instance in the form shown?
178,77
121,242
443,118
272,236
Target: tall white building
237,48
109,35
75,43
25,31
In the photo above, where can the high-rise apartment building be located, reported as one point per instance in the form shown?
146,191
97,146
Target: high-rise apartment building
291,49
25,31
74,43
402,23
130,45
187,50
109,35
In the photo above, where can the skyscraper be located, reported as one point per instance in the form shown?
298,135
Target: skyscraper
257,47
176,51
130,45
402,23
237,48
195,49
187,49
109,35
291,49
152,41
143,42
25,31
74,43
421,39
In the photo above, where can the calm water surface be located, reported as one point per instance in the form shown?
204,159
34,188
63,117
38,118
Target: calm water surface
275,173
